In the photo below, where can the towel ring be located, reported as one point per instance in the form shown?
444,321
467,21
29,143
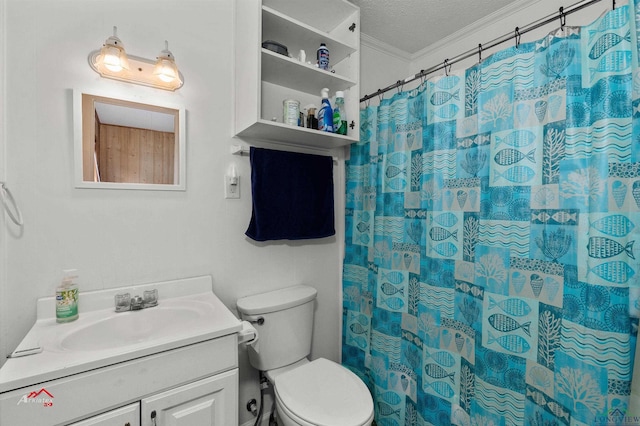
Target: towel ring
10,205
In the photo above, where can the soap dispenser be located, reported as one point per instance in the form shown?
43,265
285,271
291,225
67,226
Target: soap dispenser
67,297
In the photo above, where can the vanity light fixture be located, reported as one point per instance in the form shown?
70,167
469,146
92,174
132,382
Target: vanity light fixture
111,61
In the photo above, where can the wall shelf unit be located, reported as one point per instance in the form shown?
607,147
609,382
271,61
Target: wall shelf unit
264,79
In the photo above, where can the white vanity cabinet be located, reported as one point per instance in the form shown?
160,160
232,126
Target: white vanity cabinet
181,369
125,416
192,385
264,79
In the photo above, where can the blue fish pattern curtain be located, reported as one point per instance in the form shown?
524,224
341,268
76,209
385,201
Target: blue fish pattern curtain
492,220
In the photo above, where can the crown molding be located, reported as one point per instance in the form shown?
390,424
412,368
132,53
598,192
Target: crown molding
475,27
385,48
462,33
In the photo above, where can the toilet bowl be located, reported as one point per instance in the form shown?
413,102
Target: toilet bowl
322,393
307,393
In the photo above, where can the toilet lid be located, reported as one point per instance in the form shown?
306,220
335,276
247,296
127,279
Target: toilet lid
325,394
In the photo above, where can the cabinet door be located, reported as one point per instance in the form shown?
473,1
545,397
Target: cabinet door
123,416
211,401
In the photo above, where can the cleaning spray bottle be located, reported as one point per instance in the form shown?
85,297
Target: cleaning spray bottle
67,297
339,114
325,115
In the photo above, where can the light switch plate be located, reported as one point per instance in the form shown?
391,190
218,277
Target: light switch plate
230,190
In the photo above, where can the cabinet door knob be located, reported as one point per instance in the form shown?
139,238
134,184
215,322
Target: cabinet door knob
352,27
153,418
127,424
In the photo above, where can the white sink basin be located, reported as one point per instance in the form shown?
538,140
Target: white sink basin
116,331
132,327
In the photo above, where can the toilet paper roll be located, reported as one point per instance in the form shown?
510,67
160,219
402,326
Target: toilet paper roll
248,334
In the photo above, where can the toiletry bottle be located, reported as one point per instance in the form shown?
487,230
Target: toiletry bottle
323,57
67,297
325,115
312,121
339,114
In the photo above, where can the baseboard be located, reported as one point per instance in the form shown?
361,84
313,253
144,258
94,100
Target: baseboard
263,422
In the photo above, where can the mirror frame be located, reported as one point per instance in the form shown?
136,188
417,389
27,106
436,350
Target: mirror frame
82,131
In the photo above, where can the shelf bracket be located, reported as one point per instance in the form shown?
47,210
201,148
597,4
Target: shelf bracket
239,150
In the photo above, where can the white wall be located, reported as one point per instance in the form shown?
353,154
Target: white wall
3,157
118,237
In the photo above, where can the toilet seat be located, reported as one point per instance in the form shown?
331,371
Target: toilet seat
324,393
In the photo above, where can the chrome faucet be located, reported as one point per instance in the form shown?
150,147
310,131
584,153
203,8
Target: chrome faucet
136,303
124,302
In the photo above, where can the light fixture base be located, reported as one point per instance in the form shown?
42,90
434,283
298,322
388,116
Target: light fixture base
140,72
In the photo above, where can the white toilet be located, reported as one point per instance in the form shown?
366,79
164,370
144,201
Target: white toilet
308,393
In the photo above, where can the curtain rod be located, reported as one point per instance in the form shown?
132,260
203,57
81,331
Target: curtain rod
561,14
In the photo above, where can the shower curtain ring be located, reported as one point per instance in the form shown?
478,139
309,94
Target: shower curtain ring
517,36
380,95
563,18
447,67
399,85
479,52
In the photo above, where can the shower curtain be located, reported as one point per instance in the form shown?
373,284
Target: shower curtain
492,214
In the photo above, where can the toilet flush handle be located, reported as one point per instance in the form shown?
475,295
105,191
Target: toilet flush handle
254,320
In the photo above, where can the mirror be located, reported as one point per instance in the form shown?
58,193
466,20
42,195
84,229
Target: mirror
126,144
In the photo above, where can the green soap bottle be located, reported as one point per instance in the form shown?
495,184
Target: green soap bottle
67,297
339,114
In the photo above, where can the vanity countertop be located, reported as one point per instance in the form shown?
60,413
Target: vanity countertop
188,312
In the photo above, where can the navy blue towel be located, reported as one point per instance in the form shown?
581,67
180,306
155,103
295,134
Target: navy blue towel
292,196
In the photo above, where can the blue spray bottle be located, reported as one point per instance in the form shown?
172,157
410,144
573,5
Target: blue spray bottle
325,115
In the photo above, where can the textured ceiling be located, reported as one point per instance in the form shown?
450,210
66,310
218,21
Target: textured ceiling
412,25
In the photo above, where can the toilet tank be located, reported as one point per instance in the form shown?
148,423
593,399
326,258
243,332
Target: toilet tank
284,336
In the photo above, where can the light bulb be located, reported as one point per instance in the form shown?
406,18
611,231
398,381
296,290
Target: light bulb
112,54
114,68
166,68
111,59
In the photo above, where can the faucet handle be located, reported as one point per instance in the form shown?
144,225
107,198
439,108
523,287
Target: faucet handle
150,298
123,302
